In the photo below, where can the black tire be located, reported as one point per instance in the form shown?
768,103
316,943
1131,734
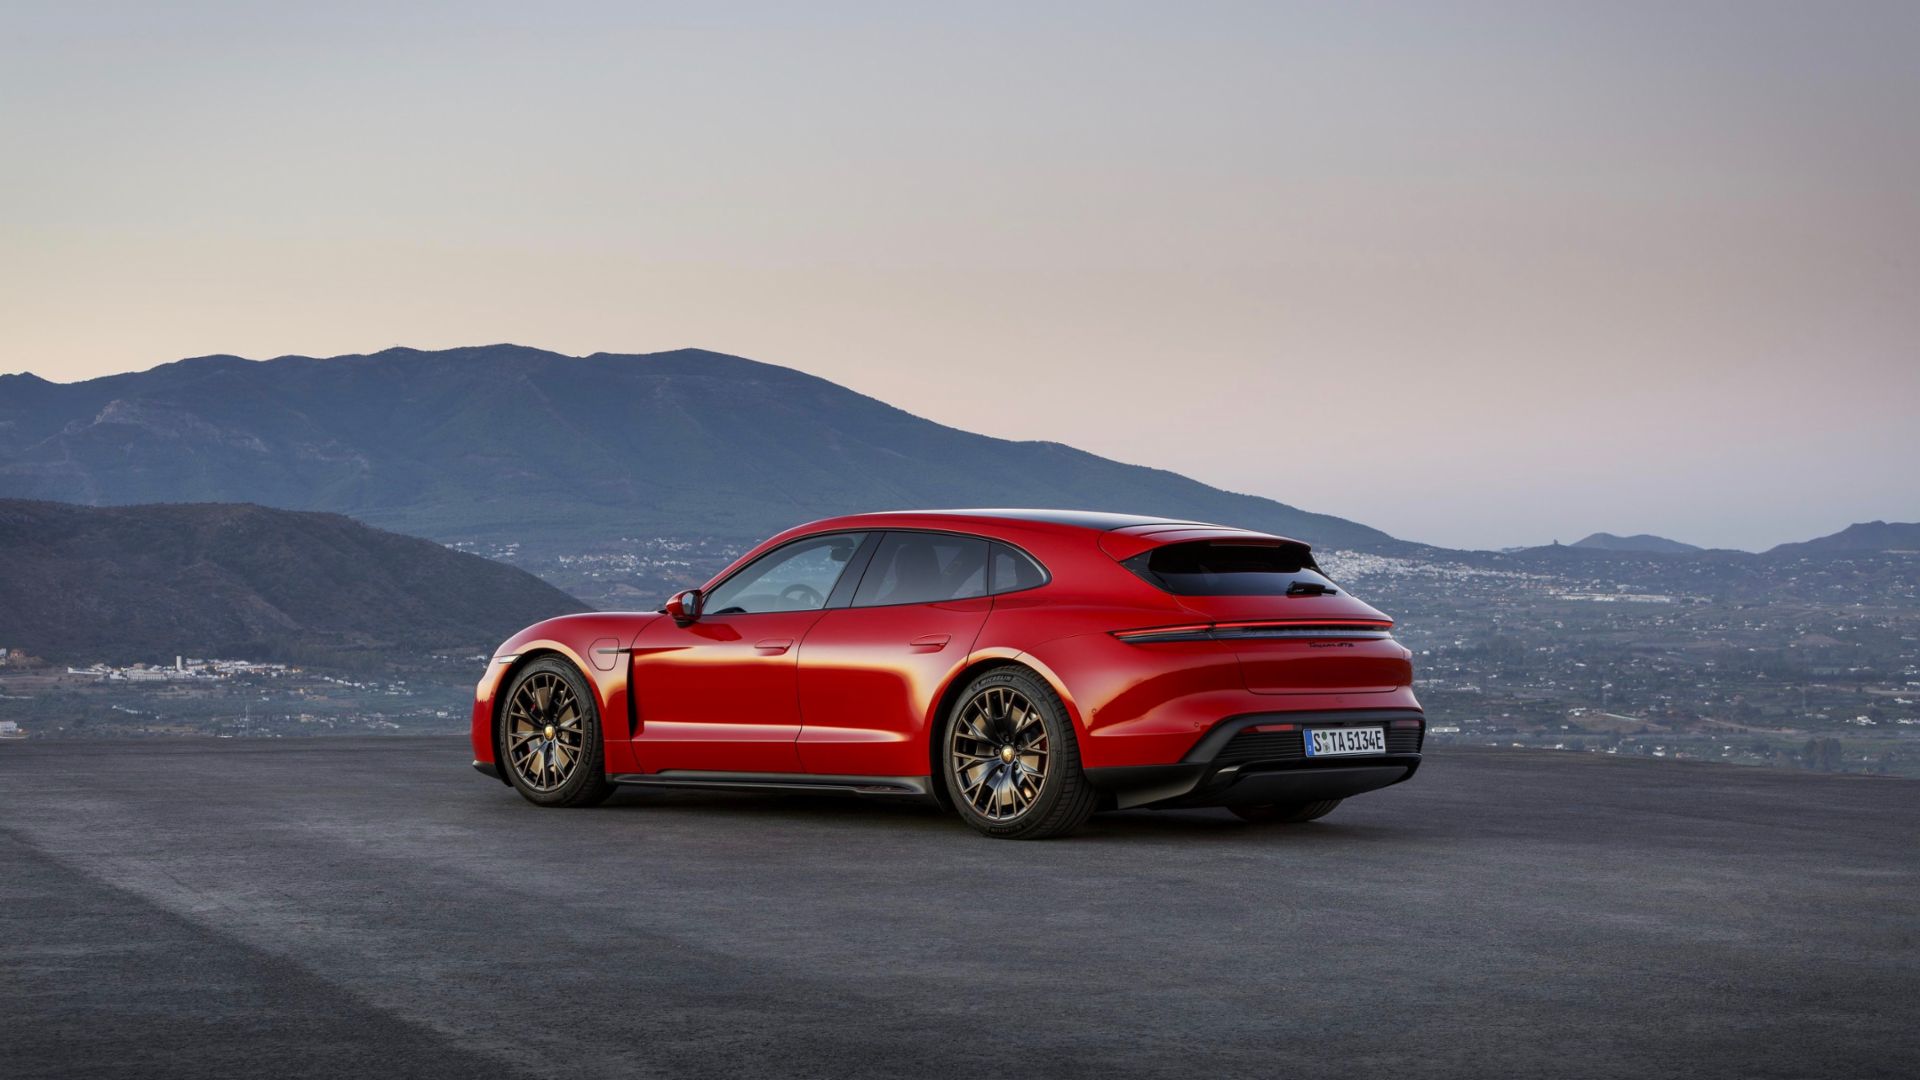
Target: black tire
1061,801
1284,813
585,780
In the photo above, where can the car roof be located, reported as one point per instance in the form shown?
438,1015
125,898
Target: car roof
1119,535
1133,532
1097,520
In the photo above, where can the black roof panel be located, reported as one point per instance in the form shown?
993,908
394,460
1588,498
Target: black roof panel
1085,519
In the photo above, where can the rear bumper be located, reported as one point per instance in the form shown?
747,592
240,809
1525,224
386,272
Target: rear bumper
1232,765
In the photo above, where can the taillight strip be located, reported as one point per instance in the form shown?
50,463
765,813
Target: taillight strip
1378,624
1322,629
1197,632
1347,632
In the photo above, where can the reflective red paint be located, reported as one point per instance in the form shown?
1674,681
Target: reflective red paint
857,691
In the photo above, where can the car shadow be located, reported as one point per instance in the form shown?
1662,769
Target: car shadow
884,813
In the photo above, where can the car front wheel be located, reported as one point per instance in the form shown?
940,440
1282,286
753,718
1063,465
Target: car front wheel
549,737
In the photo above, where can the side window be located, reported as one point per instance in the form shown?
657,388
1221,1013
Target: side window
923,568
1014,570
795,577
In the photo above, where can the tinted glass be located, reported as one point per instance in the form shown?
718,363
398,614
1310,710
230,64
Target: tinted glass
1014,570
797,577
1205,569
922,568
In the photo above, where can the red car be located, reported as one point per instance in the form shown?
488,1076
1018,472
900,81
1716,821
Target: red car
1022,667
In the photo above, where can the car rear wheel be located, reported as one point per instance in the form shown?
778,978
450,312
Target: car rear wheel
549,737
1285,813
1012,764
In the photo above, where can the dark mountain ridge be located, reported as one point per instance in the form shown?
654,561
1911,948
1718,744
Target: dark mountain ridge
506,443
145,583
1859,537
1868,537
1641,542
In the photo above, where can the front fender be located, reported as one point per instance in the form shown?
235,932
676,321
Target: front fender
597,645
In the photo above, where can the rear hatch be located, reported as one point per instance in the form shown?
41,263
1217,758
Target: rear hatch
1294,631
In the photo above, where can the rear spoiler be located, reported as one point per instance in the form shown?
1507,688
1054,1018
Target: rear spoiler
1124,544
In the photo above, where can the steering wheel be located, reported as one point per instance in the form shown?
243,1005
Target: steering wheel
803,594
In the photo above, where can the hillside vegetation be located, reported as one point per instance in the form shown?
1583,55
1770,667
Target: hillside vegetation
145,583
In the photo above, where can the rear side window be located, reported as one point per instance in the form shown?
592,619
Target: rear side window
1204,568
923,568
1014,570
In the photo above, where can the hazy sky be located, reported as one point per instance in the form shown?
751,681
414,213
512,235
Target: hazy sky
1477,275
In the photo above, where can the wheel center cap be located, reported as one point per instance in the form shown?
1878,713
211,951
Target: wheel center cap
1006,753
550,731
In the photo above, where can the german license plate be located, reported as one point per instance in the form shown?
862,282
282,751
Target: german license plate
1345,741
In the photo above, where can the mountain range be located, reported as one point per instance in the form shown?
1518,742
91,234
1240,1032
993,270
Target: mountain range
1865,536
149,582
1644,543
1876,537
501,445
505,443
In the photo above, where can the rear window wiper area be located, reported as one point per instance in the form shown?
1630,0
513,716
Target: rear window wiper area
1205,568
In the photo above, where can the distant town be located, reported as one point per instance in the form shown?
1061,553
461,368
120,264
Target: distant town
1810,663
218,696
1803,663
183,668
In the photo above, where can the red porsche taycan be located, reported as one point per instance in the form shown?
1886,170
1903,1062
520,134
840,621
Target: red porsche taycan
1024,668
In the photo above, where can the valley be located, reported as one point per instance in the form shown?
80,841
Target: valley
1780,660
1793,660
617,479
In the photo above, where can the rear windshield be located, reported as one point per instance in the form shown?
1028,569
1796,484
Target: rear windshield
1203,568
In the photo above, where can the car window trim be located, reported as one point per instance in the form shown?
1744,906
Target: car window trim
984,572
867,536
856,571
1046,575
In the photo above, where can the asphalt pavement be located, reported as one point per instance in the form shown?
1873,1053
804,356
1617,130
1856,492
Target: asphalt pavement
338,907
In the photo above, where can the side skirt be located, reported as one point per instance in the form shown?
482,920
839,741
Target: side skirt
912,787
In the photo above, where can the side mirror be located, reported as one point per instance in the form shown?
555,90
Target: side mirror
684,607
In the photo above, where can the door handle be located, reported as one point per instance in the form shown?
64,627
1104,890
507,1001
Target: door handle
773,646
932,642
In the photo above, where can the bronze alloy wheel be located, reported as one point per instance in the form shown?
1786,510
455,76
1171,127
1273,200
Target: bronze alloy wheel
1000,753
545,738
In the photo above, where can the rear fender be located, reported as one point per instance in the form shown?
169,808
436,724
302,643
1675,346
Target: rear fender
1040,668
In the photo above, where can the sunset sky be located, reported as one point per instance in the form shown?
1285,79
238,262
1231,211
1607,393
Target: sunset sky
1478,275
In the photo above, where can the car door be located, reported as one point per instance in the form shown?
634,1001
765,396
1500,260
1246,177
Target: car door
720,694
869,672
